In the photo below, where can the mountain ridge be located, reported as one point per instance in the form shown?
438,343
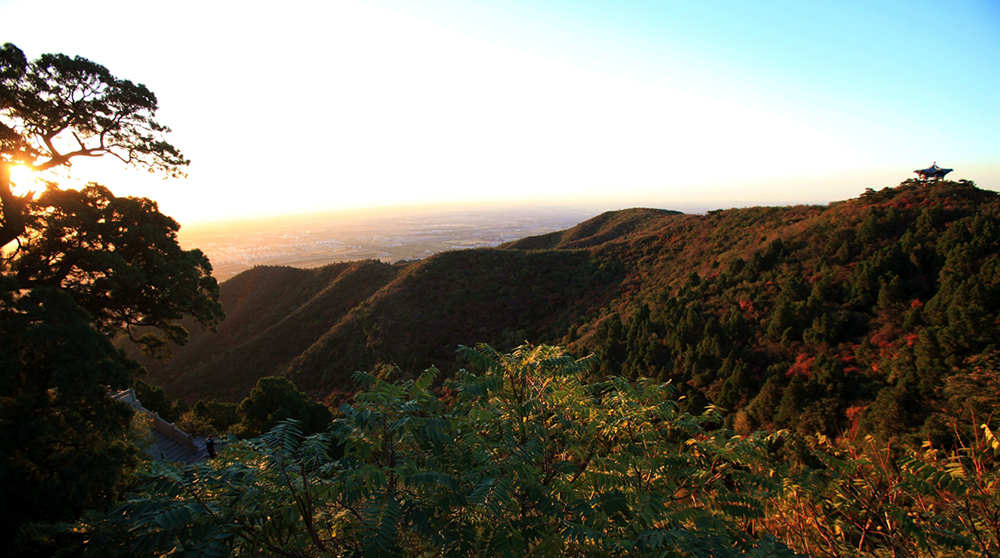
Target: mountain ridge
755,293
604,227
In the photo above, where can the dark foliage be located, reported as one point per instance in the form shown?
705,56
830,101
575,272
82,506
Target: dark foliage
62,446
76,268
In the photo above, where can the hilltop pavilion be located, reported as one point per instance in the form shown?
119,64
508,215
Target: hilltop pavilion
932,172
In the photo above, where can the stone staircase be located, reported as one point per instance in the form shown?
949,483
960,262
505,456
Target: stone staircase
172,444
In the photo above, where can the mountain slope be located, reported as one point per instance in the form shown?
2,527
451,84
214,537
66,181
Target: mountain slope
852,315
593,232
501,296
273,315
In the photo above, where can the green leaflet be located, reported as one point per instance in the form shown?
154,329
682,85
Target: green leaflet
530,460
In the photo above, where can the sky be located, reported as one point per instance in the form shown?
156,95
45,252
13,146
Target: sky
306,106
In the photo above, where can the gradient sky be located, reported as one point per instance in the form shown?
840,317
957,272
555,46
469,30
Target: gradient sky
299,106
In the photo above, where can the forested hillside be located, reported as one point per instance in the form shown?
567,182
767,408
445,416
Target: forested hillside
878,313
658,384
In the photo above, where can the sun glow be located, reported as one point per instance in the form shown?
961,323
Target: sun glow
619,104
23,180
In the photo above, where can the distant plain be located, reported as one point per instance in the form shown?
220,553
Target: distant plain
390,236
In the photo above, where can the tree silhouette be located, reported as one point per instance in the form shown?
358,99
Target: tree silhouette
58,108
78,267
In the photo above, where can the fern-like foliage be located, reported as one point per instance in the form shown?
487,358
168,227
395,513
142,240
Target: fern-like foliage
525,458
866,500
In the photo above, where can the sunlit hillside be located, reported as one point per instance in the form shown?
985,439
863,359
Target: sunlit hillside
826,318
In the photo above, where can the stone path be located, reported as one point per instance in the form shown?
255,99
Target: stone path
172,444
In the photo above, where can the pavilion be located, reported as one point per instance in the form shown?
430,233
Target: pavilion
933,172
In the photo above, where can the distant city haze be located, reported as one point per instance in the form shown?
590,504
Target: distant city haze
390,235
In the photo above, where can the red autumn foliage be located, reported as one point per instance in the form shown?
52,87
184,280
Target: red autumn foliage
802,367
849,360
885,338
853,414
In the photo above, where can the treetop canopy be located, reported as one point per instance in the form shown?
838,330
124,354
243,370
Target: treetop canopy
57,107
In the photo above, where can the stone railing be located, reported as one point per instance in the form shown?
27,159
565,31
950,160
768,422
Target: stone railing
161,425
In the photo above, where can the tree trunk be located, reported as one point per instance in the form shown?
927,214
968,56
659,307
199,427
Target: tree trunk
11,209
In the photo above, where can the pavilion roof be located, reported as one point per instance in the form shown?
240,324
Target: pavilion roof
933,170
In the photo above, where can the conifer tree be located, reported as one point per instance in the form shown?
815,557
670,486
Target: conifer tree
76,268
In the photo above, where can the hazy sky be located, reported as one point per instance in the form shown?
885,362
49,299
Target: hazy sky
303,106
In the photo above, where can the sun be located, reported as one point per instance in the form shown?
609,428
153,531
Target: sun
24,180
